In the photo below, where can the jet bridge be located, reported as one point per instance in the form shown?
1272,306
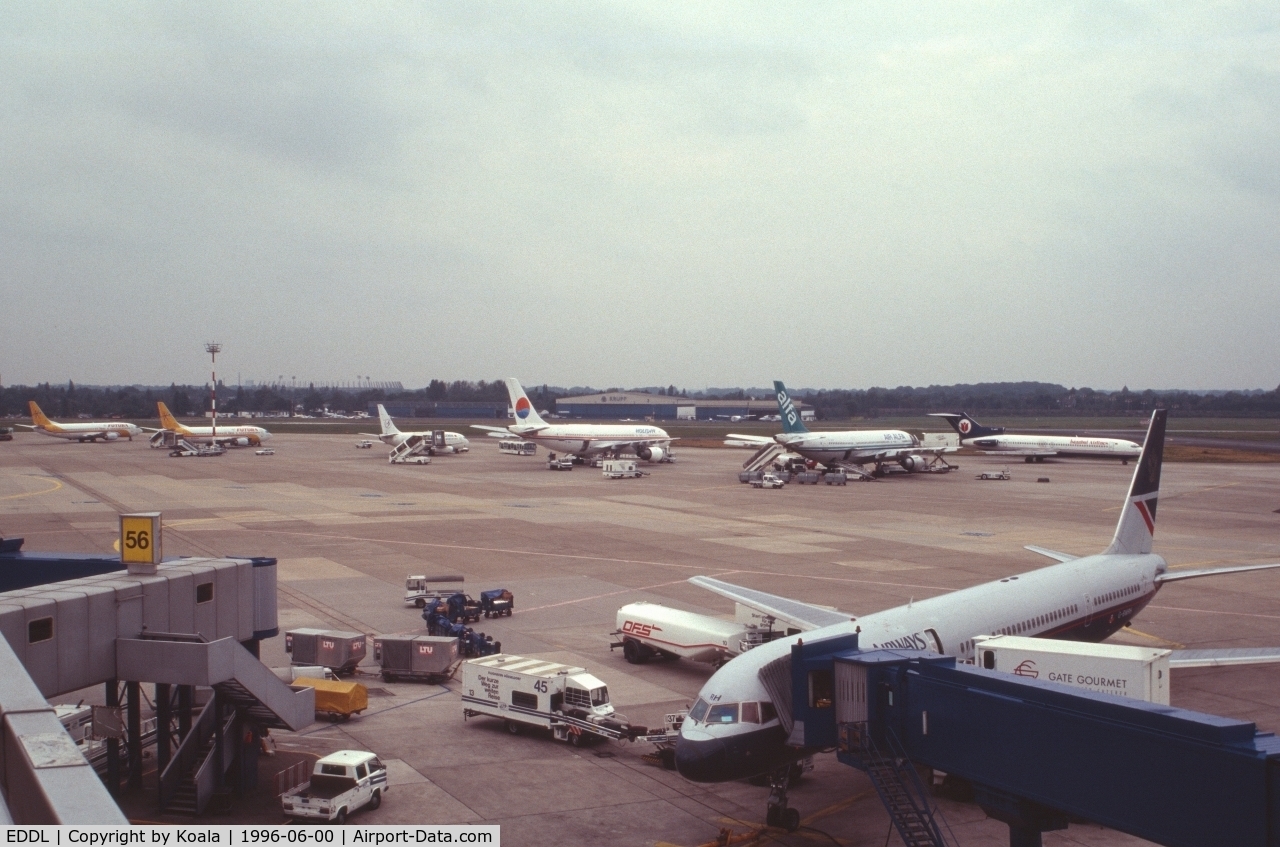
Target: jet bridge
1035,752
194,622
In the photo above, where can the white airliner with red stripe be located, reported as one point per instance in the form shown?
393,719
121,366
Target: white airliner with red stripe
739,726
647,442
1037,448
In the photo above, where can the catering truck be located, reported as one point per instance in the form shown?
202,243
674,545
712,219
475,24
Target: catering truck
1139,672
646,630
570,702
341,783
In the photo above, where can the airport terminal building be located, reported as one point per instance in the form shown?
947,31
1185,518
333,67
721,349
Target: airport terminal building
660,407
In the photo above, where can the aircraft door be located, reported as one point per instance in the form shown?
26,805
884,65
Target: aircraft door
1088,609
935,642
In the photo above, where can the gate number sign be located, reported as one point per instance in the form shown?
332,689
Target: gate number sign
140,538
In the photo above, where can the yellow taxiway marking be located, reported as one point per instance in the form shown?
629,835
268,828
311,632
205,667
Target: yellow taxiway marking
56,485
1165,641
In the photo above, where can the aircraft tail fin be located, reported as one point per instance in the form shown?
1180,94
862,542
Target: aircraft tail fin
388,426
790,416
526,415
167,420
967,427
38,418
1137,524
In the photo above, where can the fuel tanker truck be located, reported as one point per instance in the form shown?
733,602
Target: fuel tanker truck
646,630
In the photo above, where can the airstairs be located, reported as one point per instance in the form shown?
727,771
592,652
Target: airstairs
414,446
762,457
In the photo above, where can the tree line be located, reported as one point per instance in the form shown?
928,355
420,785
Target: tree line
1004,398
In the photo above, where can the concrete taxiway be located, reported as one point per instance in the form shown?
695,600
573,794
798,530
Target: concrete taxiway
347,529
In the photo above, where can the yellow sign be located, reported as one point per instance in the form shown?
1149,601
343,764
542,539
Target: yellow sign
140,541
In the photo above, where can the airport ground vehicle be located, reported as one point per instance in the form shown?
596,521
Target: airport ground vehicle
6,433
647,630
497,602
517,447
1002,474
470,642
412,655
412,459
265,451
554,463
364,445
570,702
621,469
340,784
1140,672
768,480
337,699
419,589
185,448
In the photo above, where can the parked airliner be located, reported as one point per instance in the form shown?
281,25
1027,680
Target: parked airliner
879,447
231,436
1037,448
454,442
649,443
739,729
81,430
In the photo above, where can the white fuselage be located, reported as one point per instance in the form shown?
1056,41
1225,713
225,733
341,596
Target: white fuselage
1060,445
856,446
586,439
96,431
454,442
251,435
1084,599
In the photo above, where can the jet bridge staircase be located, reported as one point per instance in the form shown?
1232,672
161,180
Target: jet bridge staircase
900,788
246,695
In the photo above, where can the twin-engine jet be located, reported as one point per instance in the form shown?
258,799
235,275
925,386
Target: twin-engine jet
878,447
81,430
740,725
1037,448
650,443
229,436
393,436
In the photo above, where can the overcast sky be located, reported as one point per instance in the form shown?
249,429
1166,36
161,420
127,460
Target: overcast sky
836,195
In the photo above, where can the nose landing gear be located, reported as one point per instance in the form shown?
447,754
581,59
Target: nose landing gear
778,813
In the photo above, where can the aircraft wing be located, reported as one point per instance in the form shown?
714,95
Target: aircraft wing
1052,554
1224,657
1175,576
733,440
495,431
1040,454
894,453
800,615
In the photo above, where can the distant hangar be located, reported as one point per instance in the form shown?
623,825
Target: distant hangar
611,405
615,405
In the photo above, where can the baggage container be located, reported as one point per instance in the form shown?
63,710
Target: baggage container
335,649
337,699
412,655
497,602
1139,672
808,477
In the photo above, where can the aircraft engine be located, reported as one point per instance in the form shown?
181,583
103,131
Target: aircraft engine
913,464
241,442
651,454
110,436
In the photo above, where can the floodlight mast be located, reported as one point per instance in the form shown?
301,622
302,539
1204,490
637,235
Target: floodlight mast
213,348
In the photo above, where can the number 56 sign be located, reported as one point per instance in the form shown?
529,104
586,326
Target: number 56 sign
140,539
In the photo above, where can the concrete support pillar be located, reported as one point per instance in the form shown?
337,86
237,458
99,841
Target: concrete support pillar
164,717
113,744
133,705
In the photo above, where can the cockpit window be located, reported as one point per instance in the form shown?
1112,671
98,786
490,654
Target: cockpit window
768,713
699,710
751,713
599,696
723,713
